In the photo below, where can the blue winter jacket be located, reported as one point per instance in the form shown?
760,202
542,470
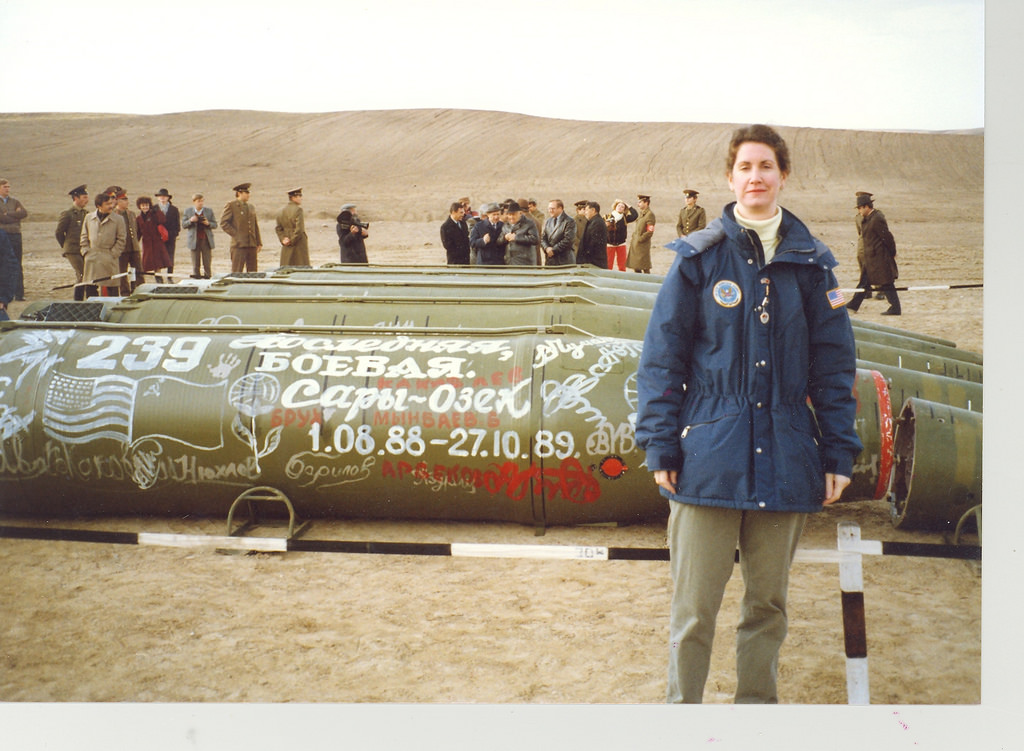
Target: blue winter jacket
734,349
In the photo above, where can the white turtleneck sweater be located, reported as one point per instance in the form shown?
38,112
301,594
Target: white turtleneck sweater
767,230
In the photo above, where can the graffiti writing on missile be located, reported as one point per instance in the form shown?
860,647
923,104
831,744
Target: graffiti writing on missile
568,481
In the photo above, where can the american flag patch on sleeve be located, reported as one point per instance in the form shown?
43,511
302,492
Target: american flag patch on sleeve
835,298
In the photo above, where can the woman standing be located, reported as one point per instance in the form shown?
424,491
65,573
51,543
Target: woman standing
748,325
616,221
152,234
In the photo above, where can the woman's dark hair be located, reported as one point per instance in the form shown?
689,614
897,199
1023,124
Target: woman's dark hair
759,134
143,200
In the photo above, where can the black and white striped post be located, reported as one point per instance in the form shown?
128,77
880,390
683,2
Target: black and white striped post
855,637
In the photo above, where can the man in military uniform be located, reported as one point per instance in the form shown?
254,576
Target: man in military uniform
639,258
131,256
69,234
692,216
239,220
581,224
291,231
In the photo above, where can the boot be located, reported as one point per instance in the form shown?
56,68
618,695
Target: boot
894,302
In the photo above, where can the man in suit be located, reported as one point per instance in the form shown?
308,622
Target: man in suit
455,235
594,244
172,222
199,222
291,231
239,220
69,234
557,238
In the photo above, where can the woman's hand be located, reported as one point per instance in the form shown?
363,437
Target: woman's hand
834,486
666,478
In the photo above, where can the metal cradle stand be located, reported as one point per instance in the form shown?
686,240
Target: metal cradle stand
264,494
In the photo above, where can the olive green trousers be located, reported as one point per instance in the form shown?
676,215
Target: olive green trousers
702,544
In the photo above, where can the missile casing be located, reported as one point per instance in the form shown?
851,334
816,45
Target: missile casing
920,361
533,425
427,312
385,313
937,472
904,384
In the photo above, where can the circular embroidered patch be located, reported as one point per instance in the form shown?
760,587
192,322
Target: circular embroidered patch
727,294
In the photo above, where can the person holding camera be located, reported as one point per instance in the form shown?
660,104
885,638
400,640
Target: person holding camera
352,235
198,221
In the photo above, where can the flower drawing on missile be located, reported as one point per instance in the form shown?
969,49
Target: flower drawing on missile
252,395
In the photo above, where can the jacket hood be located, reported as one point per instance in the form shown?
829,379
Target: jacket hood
796,245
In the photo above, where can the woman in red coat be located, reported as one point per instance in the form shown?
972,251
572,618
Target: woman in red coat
153,234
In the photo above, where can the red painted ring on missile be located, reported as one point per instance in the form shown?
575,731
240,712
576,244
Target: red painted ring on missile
885,462
612,467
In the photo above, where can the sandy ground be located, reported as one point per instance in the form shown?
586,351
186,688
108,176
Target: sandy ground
85,622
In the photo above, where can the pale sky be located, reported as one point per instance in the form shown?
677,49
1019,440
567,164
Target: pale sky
868,64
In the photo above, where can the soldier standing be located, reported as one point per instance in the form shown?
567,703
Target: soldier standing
291,231
639,258
581,224
692,216
69,234
239,220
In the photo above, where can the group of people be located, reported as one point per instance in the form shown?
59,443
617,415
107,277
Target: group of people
114,242
516,233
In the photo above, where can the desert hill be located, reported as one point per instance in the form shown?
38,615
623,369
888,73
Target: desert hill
409,164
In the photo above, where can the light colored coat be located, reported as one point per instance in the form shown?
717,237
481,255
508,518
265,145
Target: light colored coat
102,241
